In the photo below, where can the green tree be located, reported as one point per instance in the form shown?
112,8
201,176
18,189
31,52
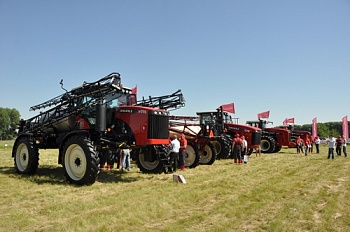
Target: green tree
9,120
14,117
323,129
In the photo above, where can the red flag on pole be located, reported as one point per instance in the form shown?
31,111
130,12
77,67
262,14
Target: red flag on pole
285,122
229,108
134,91
345,127
314,127
265,114
290,120
133,96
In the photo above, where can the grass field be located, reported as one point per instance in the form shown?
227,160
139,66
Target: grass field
276,192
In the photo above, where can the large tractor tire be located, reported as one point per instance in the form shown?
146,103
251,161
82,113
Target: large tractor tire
192,155
223,146
267,144
148,159
277,149
208,155
80,160
26,156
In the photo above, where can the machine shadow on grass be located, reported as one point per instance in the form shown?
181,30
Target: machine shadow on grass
115,176
55,175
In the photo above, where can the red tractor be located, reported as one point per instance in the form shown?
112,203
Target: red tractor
295,134
272,139
89,120
220,124
199,149
213,132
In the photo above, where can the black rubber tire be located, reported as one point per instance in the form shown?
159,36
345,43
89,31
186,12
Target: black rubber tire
26,156
209,155
80,160
277,149
267,144
223,146
155,165
192,155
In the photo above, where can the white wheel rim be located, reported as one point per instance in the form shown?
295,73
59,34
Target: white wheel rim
75,162
217,146
204,159
190,156
22,157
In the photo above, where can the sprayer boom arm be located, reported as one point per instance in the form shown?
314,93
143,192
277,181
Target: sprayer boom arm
173,101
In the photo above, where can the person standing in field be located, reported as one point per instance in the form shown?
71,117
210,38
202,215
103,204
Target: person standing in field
182,154
299,143
257,150
307,144
244,149
125,154
237,149
344,146
317,144
339,144
103,160
311,145
174,154
331,145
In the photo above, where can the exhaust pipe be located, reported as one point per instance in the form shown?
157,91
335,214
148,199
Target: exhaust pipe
101,119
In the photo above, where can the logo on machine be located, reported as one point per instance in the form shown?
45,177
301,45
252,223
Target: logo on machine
142,111
126,111
233,128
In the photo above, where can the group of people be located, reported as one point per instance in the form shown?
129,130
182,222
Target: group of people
339,144
177,153
239,149
177,149
120,156
306,145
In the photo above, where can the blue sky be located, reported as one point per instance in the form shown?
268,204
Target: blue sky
289,57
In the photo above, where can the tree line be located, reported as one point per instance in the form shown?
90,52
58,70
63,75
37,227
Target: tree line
10,119
324,129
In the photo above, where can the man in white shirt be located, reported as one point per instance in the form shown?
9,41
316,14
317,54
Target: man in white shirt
317,143
331,144
244,149
174,153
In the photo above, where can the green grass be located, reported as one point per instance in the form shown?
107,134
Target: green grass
276,192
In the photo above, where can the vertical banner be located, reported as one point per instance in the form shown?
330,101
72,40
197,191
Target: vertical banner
345,127
314,127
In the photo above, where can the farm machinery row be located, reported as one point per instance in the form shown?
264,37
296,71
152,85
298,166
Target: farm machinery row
274,138
99,117
211,133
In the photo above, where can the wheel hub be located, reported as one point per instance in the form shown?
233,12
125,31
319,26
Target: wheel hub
77,161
